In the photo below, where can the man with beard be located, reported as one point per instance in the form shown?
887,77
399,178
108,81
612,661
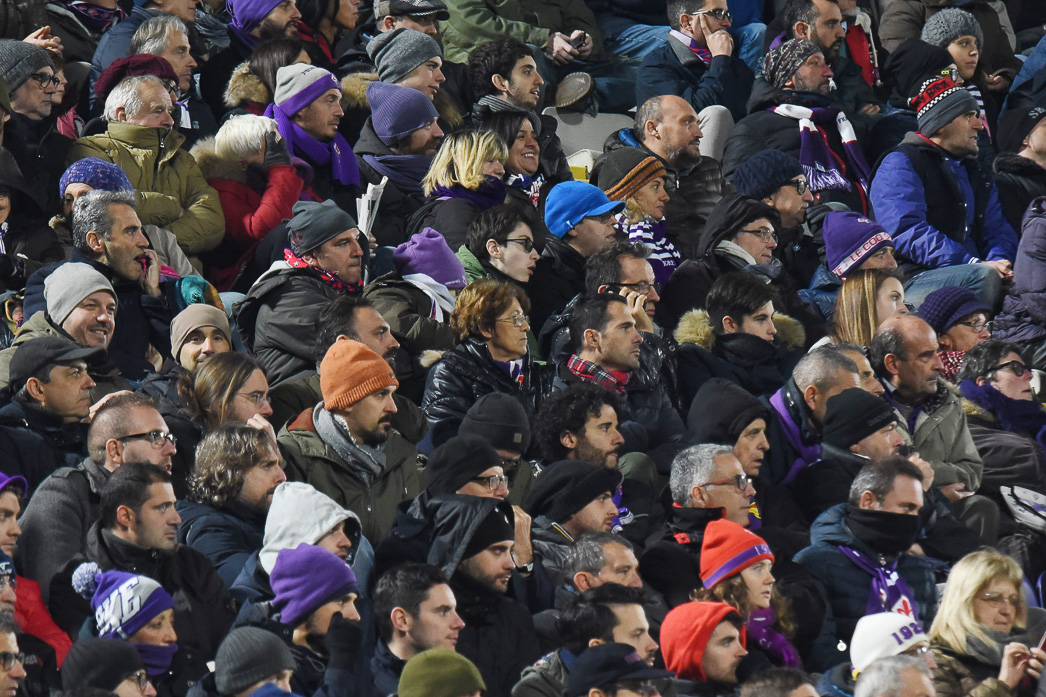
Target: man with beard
792,110
346,446
860,555
197,333
398,141
230,490
668,128
253,21
107,236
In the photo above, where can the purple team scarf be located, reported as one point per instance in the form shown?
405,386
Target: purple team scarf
822,167
489,194
94,17
808,454
889,592
405,171
760,627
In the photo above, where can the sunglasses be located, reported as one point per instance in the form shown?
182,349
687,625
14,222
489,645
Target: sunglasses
718,14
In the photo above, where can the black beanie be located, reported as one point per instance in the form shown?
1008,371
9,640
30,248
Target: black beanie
100,663
453,464
565,487
499,419
912,63
853,415
498,526
721,411
1016,124
314,223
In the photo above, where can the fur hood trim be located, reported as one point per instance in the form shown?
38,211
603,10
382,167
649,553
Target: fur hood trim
354,90
429,358
976,411
695,327
214,167
245,86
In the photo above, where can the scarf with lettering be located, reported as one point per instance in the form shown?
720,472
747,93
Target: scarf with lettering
823,168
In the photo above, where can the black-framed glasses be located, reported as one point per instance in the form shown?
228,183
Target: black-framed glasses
1015,367
718,14
978,326
605,218
141,679
493,482
765,234
516,320
525,242
741,481
157,438
643,288
8,659
45,79
801,185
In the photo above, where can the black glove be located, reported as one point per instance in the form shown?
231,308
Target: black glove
343,641
276,152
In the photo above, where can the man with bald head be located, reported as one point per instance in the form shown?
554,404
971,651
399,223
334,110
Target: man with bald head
931,417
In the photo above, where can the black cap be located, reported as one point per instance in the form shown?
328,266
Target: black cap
853,415
455,463
34,355
418,8
565,487
499,418
606,664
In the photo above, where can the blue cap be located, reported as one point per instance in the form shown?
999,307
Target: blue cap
569,202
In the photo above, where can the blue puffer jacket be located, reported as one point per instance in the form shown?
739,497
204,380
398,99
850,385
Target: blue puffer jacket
847,586
1023,315
224,537
116,43
823,292
674,69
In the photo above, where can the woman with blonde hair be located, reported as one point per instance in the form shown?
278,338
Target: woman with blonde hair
985,636
465,179
867,298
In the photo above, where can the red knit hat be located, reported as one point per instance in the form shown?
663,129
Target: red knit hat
685,634
729,549
349,372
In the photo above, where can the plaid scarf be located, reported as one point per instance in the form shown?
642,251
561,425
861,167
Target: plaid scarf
590,372
700,51
822,167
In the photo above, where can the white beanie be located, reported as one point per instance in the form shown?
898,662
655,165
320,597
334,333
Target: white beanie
68,286
881,635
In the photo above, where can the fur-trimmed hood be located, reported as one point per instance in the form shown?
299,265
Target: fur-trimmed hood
354,97
695,327
1012,163
214,167
244,86
976,411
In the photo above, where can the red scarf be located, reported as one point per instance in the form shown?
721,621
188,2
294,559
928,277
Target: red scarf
329,278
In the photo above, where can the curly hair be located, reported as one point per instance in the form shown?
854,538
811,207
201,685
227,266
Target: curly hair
479,305
223,459
569,410
210,389
734,592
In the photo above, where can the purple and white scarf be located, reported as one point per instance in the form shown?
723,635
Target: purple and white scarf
889,592
822,167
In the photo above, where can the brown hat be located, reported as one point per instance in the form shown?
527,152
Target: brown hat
193,317
350,371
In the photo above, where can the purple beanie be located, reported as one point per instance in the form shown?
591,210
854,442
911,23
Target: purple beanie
123,603
97,174
428,253
396,112
849,239
7,480
247,14
306,578
944,307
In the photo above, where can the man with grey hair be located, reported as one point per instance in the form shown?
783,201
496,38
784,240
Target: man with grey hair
896,676
798,409
107,236
172,192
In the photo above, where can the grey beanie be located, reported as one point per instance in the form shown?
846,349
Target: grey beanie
19,60
248,655
64,290
314,223
948,25
396,53
300,84
939,102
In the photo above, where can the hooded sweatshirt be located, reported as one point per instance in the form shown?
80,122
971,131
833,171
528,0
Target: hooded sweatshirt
286,526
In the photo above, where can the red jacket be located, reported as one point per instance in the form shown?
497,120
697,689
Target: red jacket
33,617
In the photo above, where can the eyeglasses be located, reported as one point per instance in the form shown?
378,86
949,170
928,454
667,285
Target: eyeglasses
801,185
8,660
141,679
765,234
999,599
257,398
494,481
1015,367
718,14
516,320
741,481
525,242
509,464
157,438
43,79
643,288
978,326
604,218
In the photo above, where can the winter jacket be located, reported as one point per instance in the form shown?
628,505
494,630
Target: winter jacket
141,320
203,611
546,678
408,310
277,319
905,19
386,668
20,18
964,676
692,194
252,204
78,42
1019,181
1023,314
558,277
451,218
826,483
396,205
226,536
116,42
552,160
823,292
936,216
309,459
759,366
671,564
171,189
36,442
41,153
33,617
216,74
790,431
466,373
673,68
847,586
1010,458
56,520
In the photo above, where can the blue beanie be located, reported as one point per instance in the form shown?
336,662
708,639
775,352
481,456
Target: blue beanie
123,603
97,174
765,172
397,111
944,307
306,578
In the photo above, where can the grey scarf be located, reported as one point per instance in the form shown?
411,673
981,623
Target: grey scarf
366,462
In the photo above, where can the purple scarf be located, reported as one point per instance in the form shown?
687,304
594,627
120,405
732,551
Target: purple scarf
1014,415
95,18
808,454
489,194
760,627
889,592
405,171
822,167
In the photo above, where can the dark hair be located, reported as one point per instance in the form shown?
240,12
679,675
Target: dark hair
886,341
223,458
112,420
129,486
981,360
677,8
775,682
507,124
591,312
878,476
496,224
735,295
604,267
498,57
269,56
796,11
589,616
568,410
406,586
338,318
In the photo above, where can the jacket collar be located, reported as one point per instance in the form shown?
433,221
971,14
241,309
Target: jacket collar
165,143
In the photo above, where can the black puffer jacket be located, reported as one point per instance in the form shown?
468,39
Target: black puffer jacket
558,277
35,443
29,243
466,373
397,205
1019,181
226,536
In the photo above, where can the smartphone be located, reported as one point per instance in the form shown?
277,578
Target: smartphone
1042,643
579,40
